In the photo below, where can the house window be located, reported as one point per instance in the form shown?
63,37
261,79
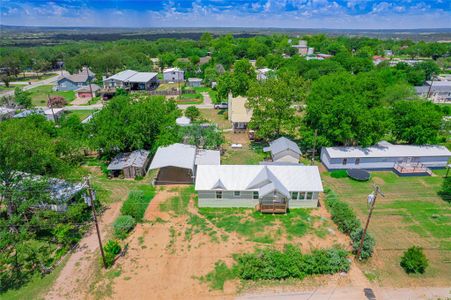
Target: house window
345,161
294,195
255,195
236,193
357,161
309,196
219,195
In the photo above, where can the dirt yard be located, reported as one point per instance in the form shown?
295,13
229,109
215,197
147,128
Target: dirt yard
167,255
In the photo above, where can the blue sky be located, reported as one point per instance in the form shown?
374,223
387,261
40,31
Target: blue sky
345,14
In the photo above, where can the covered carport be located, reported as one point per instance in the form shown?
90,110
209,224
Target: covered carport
176,164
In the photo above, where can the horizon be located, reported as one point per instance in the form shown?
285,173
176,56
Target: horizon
282,14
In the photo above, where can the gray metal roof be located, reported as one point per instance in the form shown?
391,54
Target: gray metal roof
176,155
122,76
208,157
136,159
194,79
140,77
282,144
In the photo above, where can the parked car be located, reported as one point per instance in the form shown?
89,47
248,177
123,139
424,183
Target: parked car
222,105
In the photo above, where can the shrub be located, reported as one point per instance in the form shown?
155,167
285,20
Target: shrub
342,214
111,249
66,234
368,243
136,204
123,225
445,191
192,112
414,260
338,174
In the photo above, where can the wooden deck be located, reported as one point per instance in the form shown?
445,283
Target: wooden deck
274,208
412,169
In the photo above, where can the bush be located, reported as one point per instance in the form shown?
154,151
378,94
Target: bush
368,244
123,225
445,191
136,204
111,249
192,112
342,214
414,260
338,174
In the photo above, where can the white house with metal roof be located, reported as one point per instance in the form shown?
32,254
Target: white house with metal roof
130,164
385,156
274,188
284,150
238,114
132,79
173,75
177,163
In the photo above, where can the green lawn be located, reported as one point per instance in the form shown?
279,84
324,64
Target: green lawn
39,95
411,213
81,114
33,78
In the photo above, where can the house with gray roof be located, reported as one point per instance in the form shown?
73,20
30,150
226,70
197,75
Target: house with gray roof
410,159
177,163
130,164
436,91
272,188
284,150
132,80
72,82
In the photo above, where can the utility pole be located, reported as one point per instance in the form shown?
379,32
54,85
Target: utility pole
94,215
371,201
430,87
314,145
89,81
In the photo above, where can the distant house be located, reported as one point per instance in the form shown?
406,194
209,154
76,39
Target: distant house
388,52
74,81
6,113
173,75
89,91
49,113
263,74
437,91
302,47
183,121
273,188
130,164
284,150
386,156
132,80
194,82
238,113
378,59
177,163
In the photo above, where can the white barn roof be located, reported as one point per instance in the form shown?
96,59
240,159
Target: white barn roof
175,155
282,144
385,149
258,177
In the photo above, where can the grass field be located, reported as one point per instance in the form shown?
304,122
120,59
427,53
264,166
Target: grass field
39,95
411,213
81,114
216,116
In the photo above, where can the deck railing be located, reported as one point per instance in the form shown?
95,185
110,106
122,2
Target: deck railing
411,168
273,208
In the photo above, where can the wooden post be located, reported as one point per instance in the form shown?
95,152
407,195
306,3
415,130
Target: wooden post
94,215
373,202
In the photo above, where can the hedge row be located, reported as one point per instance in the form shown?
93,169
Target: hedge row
347,222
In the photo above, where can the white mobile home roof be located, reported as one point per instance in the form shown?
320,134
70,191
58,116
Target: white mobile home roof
385,149
241,177
175,155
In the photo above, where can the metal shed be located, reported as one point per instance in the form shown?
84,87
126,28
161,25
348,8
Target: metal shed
130,164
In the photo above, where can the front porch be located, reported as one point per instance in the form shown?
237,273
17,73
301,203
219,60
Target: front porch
279,206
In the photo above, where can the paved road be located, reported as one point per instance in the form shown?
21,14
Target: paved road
47,81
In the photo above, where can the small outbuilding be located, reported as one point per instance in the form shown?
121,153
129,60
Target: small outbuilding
6,113
263,74
194,82
87,91
173,75
284,150
130,164
183,121
177,163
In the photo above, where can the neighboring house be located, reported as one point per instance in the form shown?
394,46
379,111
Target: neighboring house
85,91
74,81
50,113
130,164
273,188
284,150
302,47
132,80
183,121
238,113
388,52
194,82
177,163
6,113
436,91
386,156
378,59
173,75
263,74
